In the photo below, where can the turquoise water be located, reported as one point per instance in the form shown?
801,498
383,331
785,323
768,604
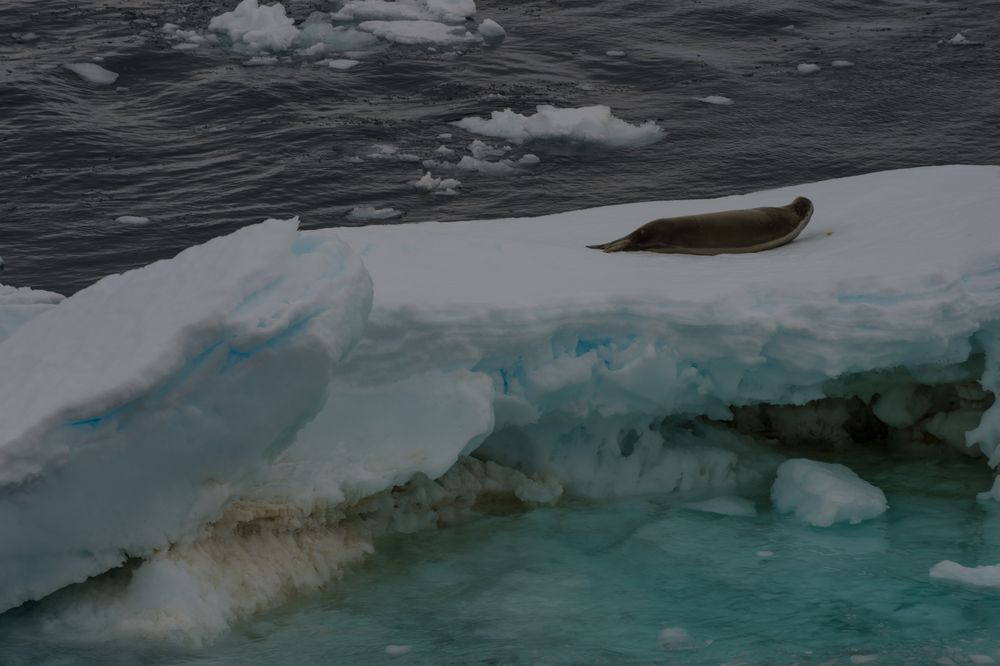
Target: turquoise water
596,583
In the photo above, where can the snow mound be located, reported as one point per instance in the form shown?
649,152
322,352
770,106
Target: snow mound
987,576
589,124
822,494
145,378
92,73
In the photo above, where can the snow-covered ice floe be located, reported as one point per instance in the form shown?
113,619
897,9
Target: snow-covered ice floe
356,27
254,412
92,73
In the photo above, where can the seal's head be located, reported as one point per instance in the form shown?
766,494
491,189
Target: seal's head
802,207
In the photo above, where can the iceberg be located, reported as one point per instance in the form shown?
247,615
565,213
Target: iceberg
241,422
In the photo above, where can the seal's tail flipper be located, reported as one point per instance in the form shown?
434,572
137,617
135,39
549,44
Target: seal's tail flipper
614,246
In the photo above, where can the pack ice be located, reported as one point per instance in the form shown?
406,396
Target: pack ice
245,382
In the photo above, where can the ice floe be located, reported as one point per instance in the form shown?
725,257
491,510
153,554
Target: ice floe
715,99
92,73
807,68
372,213
589,124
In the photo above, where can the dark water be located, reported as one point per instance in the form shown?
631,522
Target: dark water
203,145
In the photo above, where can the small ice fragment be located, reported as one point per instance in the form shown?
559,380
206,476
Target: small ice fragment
715,99
615,53
981,659
863,658
372,213
529,159
397,650
958,40
765,553
788,28
27,37
444,137
92,73
842,63
492,30
341,63
169,27
185,46
434,185
260,61
674,638
132,219
445,151
986,576
807,68
822,494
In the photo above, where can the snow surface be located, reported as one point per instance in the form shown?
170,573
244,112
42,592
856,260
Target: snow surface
92,73
822,494
19,304
507,338
587,124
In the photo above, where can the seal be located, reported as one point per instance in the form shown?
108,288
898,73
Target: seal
725,232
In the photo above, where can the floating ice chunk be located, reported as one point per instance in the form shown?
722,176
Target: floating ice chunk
419,32
169,27
788,28
185,46
981,659
92,73
807,68
842,63
445,136
715,99
371,213
444,151
501,168
675,638
450,11
429,183
492,30
258,27
822,494
260,61
764,554
132,219
341,63
987,576
863,658
398,650
588,124
959,40
615,53
724,506
481,150
25,37
529,159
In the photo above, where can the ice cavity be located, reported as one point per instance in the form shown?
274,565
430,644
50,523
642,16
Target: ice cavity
822,494
144,378
589,124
